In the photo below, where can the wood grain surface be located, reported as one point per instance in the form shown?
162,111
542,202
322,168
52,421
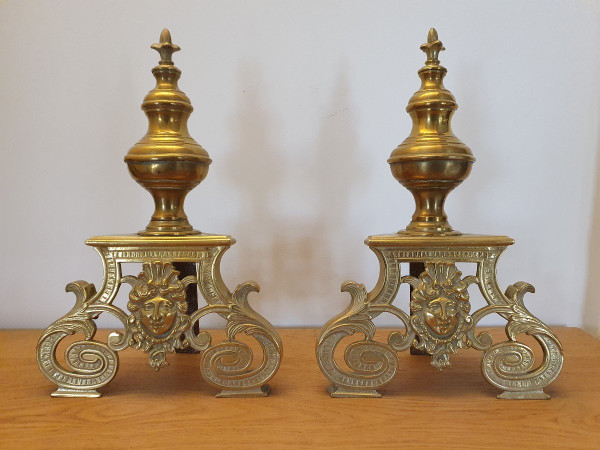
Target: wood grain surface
421,408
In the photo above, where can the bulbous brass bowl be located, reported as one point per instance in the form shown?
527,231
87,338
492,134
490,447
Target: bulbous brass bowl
169,182
430,180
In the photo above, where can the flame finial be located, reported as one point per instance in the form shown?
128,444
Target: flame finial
432,48
166,48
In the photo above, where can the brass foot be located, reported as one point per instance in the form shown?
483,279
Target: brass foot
344,392
530,395
72,393
261,391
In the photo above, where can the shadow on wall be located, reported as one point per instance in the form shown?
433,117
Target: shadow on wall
292,248
591,309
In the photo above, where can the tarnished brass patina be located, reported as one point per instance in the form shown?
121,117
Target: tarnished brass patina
430,163
158,320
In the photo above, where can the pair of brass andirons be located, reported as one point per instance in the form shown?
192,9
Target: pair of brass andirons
169,163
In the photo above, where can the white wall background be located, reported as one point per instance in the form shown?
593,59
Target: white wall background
299,104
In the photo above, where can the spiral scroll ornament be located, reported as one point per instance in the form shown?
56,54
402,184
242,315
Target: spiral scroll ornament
510,365
159,322
228,365
440,322
372,364
89,364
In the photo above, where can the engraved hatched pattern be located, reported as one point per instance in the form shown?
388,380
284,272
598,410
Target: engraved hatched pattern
89,364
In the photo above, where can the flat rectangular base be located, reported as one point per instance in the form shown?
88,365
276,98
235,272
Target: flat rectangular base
262,391
72,393
343,392
530,395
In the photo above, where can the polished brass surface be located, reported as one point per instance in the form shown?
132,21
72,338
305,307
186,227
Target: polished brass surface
440,307
411,240
158,307
430,163
167,161
507,365
158,320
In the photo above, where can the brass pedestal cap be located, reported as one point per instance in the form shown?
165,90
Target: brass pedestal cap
167,161
432,160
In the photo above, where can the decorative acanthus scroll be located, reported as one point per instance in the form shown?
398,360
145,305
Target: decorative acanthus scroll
372,364
440,324
158,324
228,365
509,365
90,364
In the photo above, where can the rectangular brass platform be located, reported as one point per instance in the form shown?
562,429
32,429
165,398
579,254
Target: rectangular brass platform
459,240
422,407
135,240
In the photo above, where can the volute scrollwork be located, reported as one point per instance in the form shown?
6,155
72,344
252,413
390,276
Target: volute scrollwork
371,364
158,324
89,364
229,365
510,365
441,323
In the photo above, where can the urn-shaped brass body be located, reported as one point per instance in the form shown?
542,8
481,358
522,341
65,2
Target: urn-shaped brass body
431,161
180,267
441,320
167,161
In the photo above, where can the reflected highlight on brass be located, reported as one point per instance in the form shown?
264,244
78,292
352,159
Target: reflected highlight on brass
167,161
430,163
158,320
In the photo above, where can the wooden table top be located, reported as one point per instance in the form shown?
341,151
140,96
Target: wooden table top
421,407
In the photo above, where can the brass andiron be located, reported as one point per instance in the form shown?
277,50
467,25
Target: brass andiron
430,163
159,317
